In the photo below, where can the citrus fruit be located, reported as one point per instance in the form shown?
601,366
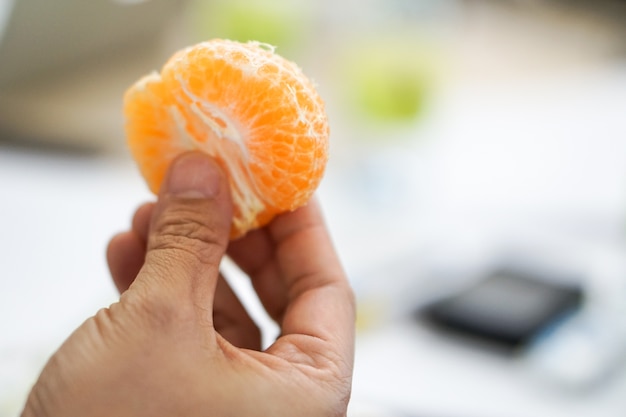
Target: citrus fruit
253,111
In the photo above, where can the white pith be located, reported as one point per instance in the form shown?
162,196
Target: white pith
244,194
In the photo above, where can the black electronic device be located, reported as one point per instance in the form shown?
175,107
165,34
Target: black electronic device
508,307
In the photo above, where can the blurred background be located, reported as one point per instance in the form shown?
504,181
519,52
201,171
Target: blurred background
469,137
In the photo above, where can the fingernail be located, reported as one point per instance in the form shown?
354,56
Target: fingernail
193,175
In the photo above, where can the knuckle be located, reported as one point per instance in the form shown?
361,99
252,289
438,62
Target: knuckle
189,231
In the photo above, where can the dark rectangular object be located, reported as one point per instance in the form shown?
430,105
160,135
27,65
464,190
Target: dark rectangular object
508,307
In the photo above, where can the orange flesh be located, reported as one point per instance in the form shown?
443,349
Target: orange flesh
250,109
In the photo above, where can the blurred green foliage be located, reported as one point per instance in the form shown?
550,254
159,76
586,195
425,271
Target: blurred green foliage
281,23
389,80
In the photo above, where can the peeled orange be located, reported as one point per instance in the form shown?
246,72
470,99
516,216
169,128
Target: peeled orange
253,111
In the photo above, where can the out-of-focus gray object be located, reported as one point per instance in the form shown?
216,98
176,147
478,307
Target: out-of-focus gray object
65,64
42,35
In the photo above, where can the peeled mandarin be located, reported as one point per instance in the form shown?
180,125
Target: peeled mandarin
253,111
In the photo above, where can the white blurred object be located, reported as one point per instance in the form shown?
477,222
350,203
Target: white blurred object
585,352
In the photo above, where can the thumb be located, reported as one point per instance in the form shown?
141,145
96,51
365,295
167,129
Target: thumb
189,229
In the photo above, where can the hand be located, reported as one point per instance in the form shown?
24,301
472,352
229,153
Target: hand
179,343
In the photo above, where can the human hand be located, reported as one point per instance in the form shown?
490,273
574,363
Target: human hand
179,343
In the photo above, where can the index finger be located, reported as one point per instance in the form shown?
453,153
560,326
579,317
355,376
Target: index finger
321,306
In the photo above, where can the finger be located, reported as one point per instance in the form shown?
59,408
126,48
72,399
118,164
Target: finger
126,251
254,254
141,220
232,321
321,304
189,231
125,255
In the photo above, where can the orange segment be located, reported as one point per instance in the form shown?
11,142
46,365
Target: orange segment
253,111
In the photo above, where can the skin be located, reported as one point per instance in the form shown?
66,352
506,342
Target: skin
179,343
